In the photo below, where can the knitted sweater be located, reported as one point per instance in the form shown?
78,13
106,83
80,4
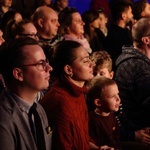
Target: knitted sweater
66,109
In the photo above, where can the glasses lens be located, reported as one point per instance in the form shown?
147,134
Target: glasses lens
42,65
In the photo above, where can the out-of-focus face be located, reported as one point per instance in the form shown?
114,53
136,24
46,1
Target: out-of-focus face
95,23
17,17
1,38
63,3
82,67
50,24
110,100
34,79
103,20
146,11
6,3
129,15
104,72
47,2
76,27
30,31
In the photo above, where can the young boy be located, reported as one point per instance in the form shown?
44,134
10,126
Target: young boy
103,64
103,125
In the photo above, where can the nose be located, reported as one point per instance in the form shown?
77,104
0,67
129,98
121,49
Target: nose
49,68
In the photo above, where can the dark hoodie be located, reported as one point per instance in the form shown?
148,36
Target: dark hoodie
133,79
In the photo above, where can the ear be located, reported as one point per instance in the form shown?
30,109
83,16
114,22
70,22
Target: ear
123,16
17,73
111,74
97,102
40,22
145,40
68,70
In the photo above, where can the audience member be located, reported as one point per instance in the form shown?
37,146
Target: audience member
45,3
59,5
133,79
141,8
103,21
119,34
103,125
5,5
23,28
46,22
103,64
26,72
92,32
65,102
9,15
71,27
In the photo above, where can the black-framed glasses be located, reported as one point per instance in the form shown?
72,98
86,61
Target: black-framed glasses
41,66
30,35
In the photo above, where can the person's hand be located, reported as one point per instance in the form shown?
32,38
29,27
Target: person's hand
143,135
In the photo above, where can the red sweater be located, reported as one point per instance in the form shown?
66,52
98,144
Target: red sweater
66,109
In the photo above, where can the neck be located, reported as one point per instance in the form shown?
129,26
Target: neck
78,83
121,24
4,9
101,113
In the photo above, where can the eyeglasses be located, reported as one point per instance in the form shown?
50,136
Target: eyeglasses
30,35
41,66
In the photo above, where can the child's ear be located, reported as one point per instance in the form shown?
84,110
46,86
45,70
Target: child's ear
111,74
97,102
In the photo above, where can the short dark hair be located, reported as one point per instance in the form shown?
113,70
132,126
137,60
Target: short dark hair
118,7
11,55
63,54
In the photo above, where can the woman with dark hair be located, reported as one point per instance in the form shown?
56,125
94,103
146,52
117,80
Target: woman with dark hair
65,102
94,35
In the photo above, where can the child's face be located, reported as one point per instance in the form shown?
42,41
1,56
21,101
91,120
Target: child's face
103,20
104,72
110,100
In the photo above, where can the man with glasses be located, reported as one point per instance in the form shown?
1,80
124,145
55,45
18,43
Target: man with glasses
133,79
26,72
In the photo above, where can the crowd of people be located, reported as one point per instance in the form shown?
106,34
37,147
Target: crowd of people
71,81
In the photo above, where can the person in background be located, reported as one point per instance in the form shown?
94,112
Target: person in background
92,32
59,5
22,28
72,27
118,33
26,72
103,64
5,5
103,125
11,14
141,8
46,22
65,103
103,21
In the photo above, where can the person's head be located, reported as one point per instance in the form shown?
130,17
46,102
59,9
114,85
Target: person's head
1,38
141,32
91,20
61,4
23,64
71,60
71,22
46,21
11,14
103,64
122,10
23,28
103,94
45,2
6,3
141,8
103,18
